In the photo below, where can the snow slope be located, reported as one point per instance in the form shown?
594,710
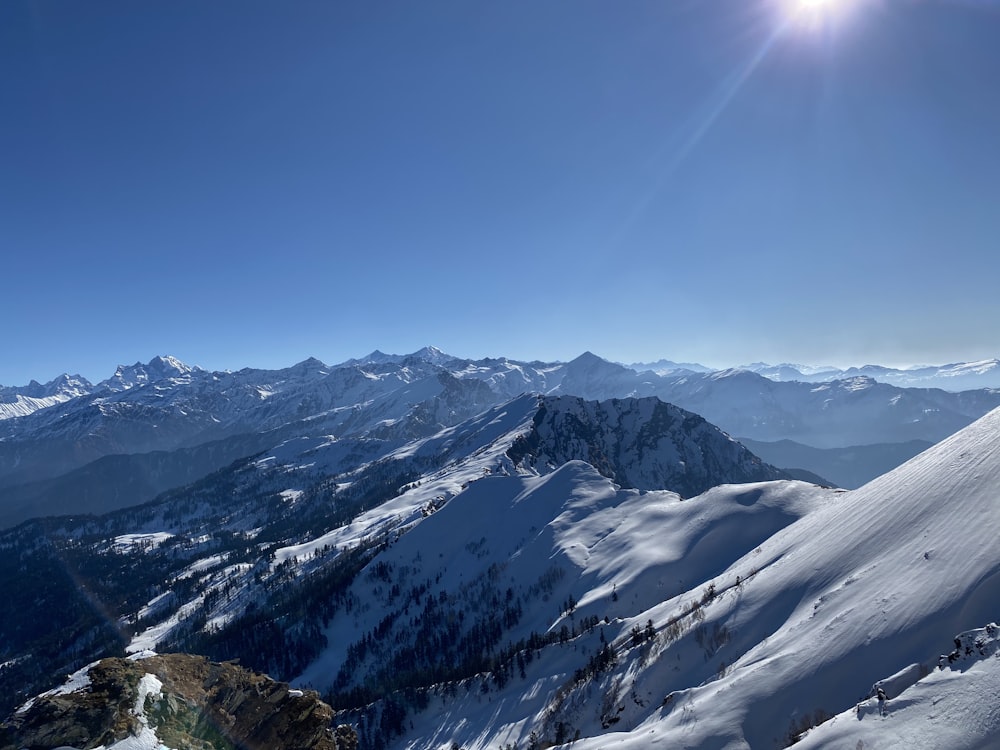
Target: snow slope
820,595
856,591
948,707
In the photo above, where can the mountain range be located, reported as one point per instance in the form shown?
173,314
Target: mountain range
473,554
957,376
152,427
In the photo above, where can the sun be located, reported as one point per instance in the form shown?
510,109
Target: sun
813,6
816,12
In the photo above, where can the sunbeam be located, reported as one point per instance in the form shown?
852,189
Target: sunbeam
715,107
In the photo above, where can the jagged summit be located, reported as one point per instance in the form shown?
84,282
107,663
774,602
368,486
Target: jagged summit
641,443
429,354
310,365
62,385
139,374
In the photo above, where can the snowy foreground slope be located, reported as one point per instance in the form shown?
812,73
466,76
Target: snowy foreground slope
735,619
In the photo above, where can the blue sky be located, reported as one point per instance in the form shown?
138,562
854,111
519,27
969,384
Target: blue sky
242,183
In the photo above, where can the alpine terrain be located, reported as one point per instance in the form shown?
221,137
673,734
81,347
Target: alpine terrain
424,551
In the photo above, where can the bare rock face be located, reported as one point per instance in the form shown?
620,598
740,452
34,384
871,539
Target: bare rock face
640,443
198,705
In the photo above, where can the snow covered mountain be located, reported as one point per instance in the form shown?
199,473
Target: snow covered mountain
740,618
639,443
840,413
156,370
156,426
959,376
308,498
137,413
21,401
495,581
868,585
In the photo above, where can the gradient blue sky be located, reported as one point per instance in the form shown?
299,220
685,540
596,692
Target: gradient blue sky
242,183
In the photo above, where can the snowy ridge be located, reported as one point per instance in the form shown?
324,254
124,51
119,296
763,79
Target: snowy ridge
20,402
879,578
438,469
752,641
159,368
165,405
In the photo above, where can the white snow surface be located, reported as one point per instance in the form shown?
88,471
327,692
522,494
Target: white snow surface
126,542
808,598
942,708
855,591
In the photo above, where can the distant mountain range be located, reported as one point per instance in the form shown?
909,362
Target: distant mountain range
960,376
20,401
77,447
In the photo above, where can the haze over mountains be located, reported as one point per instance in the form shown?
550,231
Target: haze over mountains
494,552
959,376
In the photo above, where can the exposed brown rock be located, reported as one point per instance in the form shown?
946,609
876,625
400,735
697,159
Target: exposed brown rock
203,706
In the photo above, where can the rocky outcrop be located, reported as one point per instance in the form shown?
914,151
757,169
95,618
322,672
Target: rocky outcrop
640,443
184,702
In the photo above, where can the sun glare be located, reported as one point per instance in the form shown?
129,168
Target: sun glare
815,12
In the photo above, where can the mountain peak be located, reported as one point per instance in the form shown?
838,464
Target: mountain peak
160,367
433,355
168,364
588,358
310,363
642,443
